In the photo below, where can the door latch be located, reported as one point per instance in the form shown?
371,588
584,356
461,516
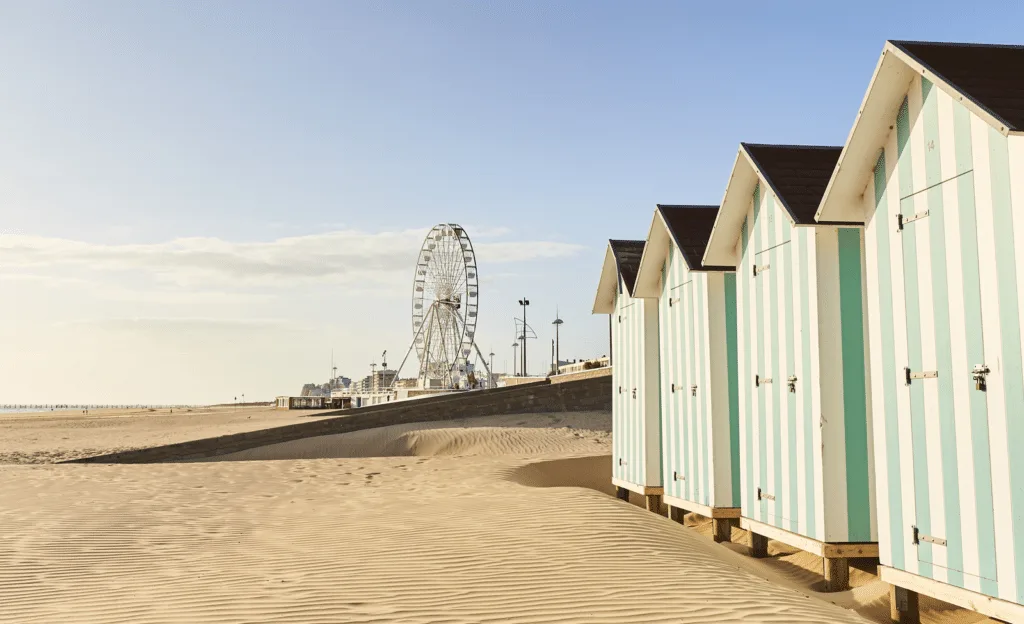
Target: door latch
634,393
673,387
980,375
677,477
792,383
761,269
902,221
693,390
762,496
759,381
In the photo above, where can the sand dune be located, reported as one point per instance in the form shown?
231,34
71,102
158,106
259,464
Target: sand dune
517,434
49,437
517,527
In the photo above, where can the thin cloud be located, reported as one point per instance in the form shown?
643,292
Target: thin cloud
343,256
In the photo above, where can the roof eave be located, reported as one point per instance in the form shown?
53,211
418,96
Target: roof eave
721,249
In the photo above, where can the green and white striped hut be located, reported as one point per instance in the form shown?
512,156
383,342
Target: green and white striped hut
806,476
934,167
699,394
636,428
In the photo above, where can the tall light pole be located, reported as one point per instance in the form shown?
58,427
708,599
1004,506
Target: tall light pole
515,372
490,382
558,357
524,302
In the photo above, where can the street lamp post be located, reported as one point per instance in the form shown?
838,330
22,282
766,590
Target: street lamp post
515,371
490,381
558,357
524,302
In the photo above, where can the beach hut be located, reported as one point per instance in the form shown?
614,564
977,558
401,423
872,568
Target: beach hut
805,465
699,396
636,428
934,167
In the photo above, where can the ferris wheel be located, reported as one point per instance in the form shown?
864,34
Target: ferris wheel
445,298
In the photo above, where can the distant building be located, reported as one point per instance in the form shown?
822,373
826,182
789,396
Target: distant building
581,365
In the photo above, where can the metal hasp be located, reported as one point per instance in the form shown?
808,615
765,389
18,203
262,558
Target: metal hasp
761,269
693,390
911,376
792,383
622,462
677,477
979,375
901,220
673,387
921,537
759,381
762,496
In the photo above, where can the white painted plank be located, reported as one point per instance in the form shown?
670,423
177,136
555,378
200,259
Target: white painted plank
999,454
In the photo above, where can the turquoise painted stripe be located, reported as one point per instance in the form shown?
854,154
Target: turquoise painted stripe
789,321
943,343
858,499
704,388
915,362
677,414
758,312
743,280
975,348
731,350
774,418
1009,322
882,222
692,420
810,420
668,351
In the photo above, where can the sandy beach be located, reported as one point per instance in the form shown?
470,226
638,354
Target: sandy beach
497,519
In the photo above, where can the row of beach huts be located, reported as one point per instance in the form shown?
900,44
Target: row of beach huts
832,357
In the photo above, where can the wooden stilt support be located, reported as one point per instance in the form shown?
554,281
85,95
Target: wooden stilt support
758,545
903,606
676,514
622,493
722,528
653,502
837,573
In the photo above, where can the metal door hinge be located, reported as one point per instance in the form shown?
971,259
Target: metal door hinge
759,381
762,496
761,269
910,375
792,383
979,375
902,221
693,390
921,537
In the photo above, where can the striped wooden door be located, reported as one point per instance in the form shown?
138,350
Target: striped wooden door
930,377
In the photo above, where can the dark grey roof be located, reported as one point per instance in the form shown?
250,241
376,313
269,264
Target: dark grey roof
797,173
991,75
690,228
627,255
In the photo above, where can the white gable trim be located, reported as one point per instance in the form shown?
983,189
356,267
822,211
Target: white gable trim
608,287
648,277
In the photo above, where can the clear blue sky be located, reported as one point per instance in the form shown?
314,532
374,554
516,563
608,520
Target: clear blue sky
156,159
